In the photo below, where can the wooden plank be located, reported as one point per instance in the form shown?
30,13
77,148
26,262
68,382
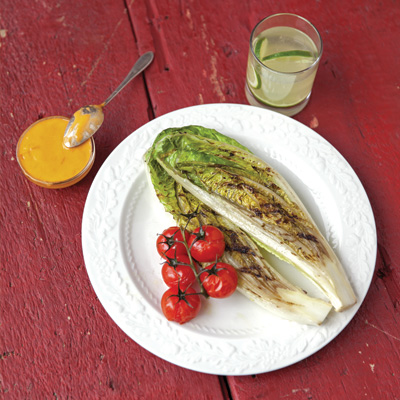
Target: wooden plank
201,55
56,339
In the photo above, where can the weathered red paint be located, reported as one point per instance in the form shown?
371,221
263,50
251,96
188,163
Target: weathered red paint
56,340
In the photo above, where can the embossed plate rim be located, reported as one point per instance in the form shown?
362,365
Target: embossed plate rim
119,295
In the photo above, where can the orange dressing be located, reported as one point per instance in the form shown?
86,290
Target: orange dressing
83,124
82,121
46,161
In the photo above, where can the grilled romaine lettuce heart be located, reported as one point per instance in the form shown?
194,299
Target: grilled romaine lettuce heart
247,196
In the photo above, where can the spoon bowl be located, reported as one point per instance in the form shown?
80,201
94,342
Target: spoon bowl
83,125
87,120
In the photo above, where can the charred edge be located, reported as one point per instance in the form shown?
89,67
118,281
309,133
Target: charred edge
230,185
312,238
254,293
276,208
257,212
272,212
229,153
253,270
257,169
247,187
234,243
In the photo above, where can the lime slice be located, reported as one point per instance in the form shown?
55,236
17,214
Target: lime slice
253,78
289,53
269,104
260,49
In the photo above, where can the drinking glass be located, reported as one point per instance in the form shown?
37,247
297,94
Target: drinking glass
285,50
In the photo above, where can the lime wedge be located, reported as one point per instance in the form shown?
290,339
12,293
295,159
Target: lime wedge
260,49
253,78
289,53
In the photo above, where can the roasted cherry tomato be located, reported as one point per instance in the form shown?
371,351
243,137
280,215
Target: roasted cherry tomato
206,243
167,243
219,280
175,271
180,306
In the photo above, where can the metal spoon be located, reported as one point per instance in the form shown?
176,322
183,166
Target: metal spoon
87,120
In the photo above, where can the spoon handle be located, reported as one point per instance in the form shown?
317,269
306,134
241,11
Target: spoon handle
139,66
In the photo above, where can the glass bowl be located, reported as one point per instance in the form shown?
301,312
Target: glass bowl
45,161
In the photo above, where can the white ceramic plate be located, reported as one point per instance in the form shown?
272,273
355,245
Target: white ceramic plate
232,336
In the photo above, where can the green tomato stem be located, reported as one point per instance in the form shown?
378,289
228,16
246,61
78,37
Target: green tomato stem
203,291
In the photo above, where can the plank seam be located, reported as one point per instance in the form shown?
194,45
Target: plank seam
226,391
150,109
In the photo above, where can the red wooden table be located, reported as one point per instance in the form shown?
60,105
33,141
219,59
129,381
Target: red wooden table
56,340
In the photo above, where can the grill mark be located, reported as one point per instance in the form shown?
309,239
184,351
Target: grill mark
254,270
233,242
312,238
